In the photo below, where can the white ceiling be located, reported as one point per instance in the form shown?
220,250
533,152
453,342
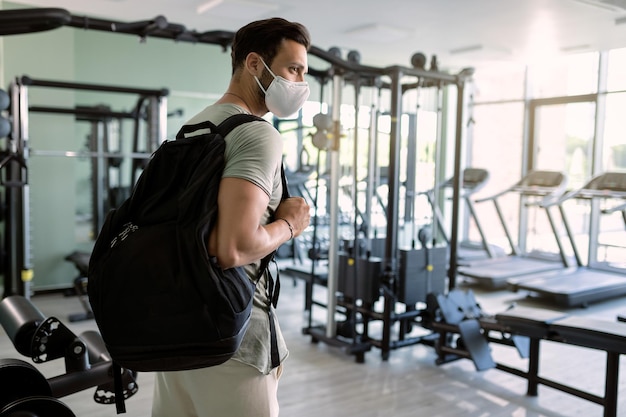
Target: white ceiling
481,31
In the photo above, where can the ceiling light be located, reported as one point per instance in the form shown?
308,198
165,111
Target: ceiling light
377,33
482,50
576,48
204,7
236,9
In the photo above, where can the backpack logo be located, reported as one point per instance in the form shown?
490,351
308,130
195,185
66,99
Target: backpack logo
128,229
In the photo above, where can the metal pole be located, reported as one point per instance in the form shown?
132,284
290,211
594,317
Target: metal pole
355,182
456,184
372,177
394,175
439,163
333,248
162,120
27,81
391,243
24,257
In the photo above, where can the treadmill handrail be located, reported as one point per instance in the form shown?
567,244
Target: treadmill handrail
547,201
523,187
588,194
474,179
492,197
591,191
621,207
548,192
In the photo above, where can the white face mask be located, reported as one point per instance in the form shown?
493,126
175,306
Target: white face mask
284,97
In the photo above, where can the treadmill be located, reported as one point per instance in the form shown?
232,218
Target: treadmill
474,179
598,280
535,189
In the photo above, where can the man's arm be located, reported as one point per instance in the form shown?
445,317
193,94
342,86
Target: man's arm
238,237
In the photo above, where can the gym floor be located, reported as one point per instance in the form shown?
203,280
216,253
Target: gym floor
321,380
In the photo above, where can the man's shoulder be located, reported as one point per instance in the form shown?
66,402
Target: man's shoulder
216,113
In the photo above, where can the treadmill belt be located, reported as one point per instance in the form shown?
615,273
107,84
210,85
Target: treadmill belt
473,251
496,271
577,288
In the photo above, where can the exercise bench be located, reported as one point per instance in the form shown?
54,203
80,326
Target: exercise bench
609,336
465,331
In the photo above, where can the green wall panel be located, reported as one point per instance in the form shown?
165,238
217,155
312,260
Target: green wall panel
194,74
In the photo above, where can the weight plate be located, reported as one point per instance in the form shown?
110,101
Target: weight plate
36,407
26,381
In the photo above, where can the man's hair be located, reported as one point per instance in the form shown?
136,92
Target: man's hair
265,37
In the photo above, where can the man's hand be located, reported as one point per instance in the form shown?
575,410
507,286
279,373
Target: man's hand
296,211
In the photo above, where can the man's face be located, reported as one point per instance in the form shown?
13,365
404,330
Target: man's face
291,61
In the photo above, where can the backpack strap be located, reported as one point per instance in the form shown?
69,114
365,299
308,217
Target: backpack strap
274,290
235,120
185,129
120,405
274,285
223,128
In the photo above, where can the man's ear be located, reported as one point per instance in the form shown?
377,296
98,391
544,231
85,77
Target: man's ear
253,64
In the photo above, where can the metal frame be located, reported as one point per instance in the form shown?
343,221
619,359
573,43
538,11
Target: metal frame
18,268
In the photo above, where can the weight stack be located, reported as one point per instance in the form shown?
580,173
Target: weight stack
416,279
368,280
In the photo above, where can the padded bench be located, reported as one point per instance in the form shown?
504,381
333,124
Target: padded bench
537,324
317,277
303,272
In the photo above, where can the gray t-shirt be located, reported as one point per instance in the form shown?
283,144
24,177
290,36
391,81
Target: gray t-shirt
254,153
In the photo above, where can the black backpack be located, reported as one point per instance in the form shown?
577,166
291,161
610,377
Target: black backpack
160,302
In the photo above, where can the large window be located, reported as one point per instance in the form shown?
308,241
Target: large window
565,76
617,70
501,82
562,123
614,144
496,144
563,139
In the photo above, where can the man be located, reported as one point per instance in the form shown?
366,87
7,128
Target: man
269,60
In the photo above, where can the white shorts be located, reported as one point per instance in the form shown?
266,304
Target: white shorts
232,389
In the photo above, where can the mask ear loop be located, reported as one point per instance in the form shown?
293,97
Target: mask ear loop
260,85
259,81
267,68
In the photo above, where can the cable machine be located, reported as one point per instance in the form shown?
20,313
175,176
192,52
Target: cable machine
18,268
358,277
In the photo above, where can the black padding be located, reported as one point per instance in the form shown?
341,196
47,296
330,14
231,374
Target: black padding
80,260
476,344
20,320
594,333
18,21
532,322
